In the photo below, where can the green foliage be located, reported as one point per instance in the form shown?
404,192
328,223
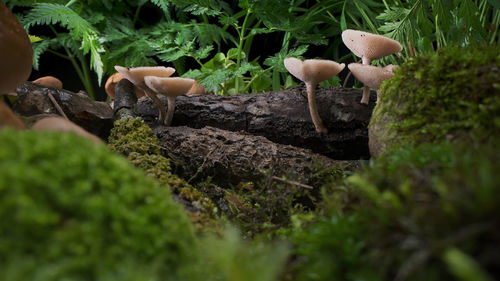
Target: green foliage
84,38
196,35
417,213
72,210
453,93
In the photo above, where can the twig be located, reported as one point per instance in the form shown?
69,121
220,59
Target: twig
59,109
292,182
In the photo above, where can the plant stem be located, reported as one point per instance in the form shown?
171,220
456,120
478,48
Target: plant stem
88,78
241,34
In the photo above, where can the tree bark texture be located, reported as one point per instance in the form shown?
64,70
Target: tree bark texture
95,117
281,117
233,157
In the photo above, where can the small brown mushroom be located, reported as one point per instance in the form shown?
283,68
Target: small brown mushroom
171,88
136,76
369,47
311,72
372,76
16,53
49,81
59,124
109,87
9,119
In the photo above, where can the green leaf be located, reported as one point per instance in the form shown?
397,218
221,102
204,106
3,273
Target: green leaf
495,3
343,23
463,266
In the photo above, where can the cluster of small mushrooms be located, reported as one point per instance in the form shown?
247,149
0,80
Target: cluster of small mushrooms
16,55
365,45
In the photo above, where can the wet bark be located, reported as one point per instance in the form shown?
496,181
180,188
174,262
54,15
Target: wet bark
232,157
93,116
282,117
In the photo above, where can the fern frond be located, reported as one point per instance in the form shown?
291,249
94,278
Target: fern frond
38,49
80,30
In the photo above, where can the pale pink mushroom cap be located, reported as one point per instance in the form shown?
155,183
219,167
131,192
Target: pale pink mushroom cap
136,74
370,46
313,70
370,75
169,86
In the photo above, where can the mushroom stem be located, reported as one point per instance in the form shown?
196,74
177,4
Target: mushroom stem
313,110
161,108
170,111
366,91
366,95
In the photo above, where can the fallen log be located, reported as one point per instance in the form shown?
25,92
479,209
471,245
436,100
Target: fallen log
95,117
282,117
232,157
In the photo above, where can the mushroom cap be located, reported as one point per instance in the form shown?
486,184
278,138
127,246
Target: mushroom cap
136,74
49,81
369,45
9,119
169,86
109,87
370,75
16,53
313,70
59,124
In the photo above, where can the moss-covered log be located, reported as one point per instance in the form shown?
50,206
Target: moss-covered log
230,157
282,117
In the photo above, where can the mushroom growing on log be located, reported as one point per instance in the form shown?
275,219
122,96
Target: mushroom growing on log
282,117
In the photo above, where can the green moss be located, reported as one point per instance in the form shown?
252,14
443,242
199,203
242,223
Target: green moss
73,210
454,93
134,139
405,214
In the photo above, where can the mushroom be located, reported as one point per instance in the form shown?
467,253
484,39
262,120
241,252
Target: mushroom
9,119
136,76
59,124
171,88
372,76
196,89
16,53
109,87
369,47
49,81
311,72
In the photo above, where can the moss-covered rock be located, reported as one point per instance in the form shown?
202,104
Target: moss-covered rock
73,210
417,213
453,93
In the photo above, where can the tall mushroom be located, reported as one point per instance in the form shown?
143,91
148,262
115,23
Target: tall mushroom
369,47
171,88
16,53
109,87
372,76
311,72
136,76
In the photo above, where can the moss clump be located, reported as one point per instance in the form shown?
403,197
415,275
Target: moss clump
453,93
73,210
410,216
134,139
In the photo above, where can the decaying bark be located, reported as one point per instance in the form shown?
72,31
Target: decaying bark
233,157
125,100
282,117
95,117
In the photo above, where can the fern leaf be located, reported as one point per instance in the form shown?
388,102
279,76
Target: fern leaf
80,29
38,49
